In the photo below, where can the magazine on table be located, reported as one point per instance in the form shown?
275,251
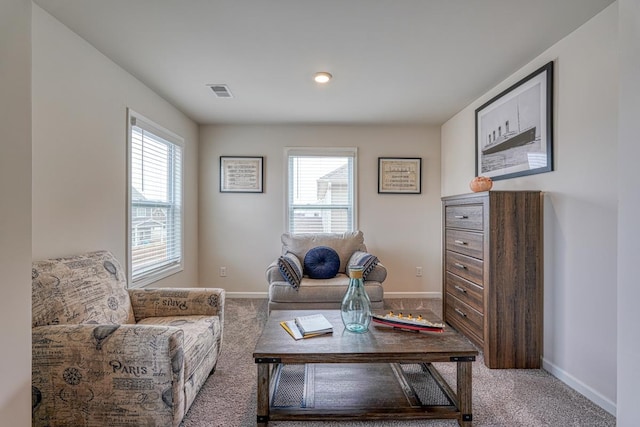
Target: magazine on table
307,326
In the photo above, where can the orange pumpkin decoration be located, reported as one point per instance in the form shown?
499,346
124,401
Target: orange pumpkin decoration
481,183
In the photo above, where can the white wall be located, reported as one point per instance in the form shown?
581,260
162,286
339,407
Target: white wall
79,152
80,101
15,211
580,212
242,231
629,206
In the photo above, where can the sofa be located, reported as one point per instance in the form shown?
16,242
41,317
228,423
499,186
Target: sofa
105,355
292,287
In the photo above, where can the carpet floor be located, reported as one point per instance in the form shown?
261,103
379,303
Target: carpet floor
501,398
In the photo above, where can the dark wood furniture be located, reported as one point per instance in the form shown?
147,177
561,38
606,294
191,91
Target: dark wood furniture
346,376
492,274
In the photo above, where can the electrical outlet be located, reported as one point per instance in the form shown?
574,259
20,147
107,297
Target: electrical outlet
418,271
223,271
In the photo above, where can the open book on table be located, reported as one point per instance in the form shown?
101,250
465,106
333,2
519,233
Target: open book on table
307,326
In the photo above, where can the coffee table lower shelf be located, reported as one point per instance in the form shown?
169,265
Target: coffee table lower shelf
359,391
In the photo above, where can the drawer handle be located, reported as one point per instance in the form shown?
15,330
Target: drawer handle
457,264
460,242
460,312
460,289
461,217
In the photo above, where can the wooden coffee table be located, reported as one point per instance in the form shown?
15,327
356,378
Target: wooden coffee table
385,373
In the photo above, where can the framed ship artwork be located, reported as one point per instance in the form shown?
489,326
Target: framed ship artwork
514,130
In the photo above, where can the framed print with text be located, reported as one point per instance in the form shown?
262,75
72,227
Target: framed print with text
241,174
399,175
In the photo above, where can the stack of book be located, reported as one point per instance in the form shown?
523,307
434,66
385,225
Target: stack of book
307,326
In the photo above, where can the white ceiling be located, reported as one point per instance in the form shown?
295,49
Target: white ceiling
393,61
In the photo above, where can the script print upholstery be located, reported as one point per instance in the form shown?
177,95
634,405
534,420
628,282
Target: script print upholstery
93,365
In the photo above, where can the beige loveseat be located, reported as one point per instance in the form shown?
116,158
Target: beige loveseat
107,356
316,294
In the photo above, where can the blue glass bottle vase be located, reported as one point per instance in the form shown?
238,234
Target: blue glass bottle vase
356,305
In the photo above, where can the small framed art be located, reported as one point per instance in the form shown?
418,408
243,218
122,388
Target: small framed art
399,175
241,174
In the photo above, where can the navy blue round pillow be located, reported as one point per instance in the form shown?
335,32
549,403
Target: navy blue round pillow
321,262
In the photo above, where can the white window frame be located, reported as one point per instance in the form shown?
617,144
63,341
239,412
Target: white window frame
321,152
168,269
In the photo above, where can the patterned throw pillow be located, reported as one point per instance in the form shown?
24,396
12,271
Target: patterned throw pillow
291,268
321,262
365,260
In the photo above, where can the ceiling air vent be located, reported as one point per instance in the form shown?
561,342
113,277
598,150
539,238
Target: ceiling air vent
221,91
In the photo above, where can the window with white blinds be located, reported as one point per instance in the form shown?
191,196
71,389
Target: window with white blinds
321,190
155,202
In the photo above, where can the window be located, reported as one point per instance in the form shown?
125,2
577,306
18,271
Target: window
155,202
321,190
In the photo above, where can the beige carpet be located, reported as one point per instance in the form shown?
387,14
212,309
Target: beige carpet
501,398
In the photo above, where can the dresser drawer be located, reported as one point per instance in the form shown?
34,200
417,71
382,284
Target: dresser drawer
464,266
467,292
465,242
464,216
465,319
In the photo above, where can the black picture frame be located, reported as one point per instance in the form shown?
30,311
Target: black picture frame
399,175
241,174
514,130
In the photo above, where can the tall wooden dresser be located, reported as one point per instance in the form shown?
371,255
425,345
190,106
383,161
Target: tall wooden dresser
492,274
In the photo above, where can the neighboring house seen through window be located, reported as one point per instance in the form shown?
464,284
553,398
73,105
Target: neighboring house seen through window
321,190
155,202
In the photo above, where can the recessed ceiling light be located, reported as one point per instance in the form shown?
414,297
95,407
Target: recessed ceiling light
322,77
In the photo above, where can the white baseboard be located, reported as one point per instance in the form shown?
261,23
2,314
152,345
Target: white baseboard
425,295
580,387
254,295
389,295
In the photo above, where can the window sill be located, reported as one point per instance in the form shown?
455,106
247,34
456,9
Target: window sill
150,278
